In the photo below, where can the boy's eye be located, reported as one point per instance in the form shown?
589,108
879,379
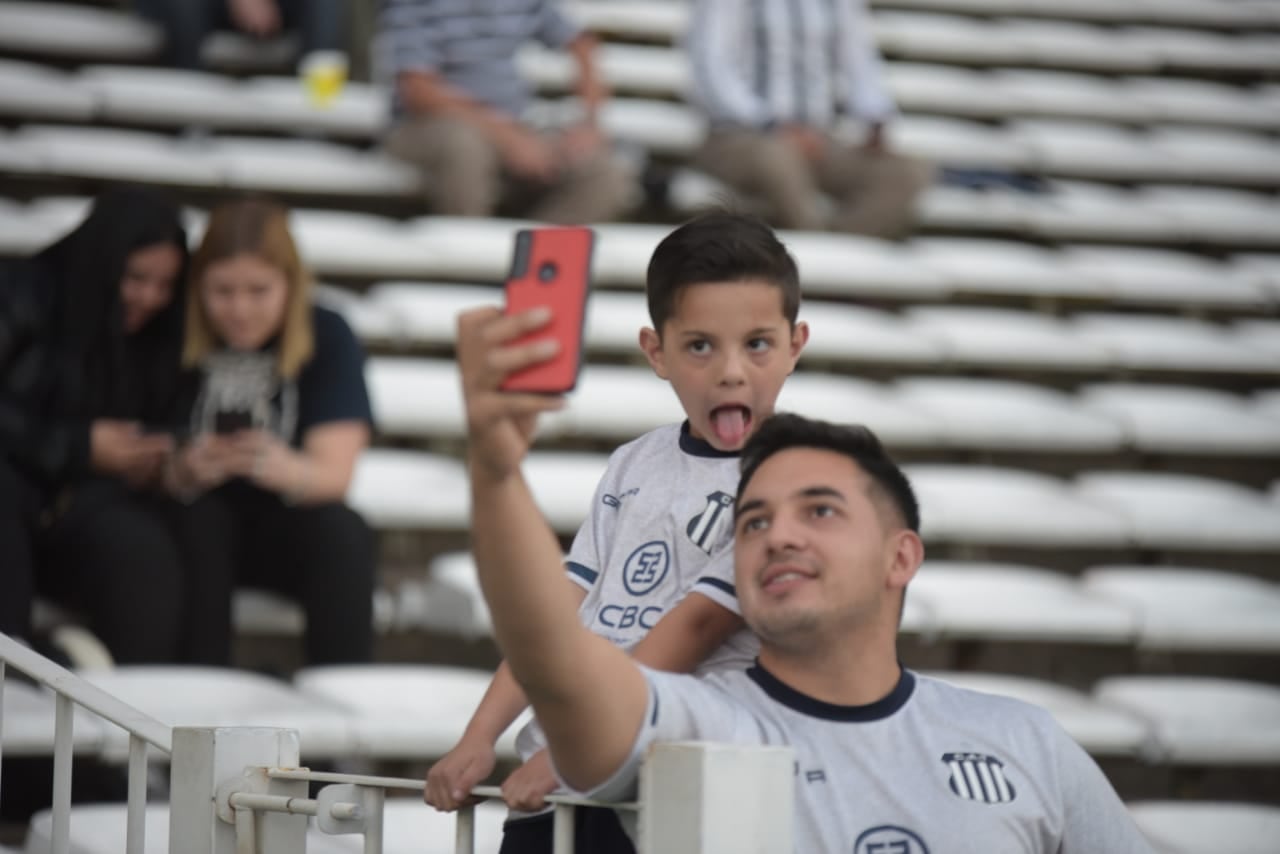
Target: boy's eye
700,347
759,345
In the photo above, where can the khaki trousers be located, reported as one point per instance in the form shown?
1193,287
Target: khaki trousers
875,191
465,177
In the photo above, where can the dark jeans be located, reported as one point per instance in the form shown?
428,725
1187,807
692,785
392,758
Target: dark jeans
99,549
596,830
186,23
322,555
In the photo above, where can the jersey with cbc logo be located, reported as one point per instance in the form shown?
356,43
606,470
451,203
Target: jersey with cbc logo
660,528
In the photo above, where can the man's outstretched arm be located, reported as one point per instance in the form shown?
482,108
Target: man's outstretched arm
589,696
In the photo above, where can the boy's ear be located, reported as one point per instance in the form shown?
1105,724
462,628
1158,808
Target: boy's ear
651,344
799,338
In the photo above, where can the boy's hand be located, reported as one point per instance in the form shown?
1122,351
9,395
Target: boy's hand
500,424
528,786
450,781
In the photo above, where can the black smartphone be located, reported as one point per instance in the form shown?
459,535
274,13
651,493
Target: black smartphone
232,421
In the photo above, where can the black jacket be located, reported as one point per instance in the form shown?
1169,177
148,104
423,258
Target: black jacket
64,359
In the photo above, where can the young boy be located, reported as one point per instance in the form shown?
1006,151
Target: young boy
653,564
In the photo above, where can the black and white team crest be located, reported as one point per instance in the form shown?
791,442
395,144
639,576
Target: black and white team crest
706,528
978,777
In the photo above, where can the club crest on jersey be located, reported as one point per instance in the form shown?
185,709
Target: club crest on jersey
889,839
646,567
706,528
978,777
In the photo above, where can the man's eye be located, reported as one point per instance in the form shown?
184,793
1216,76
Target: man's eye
756,523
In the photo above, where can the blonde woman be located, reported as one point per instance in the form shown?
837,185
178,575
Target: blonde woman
279,417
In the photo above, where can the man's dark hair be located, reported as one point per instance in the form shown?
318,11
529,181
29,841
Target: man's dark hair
854,441
719,247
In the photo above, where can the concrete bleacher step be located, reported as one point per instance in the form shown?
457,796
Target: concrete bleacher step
409,827
1202,720
1190,827
1098,727
1184,608
409,711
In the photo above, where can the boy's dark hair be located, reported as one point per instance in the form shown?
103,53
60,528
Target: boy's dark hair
719,247
854,441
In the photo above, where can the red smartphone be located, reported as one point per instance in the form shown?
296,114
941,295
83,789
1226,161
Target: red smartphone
551,267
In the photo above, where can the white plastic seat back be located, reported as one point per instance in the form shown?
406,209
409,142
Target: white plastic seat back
1190,827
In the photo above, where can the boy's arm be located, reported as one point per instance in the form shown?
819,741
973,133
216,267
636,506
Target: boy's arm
449,781
589,696
686,635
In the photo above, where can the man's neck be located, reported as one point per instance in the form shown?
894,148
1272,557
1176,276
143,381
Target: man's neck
852,672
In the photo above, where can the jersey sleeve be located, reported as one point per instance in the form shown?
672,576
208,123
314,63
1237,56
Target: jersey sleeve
590,548
332,387
680,708
717,580
1094,817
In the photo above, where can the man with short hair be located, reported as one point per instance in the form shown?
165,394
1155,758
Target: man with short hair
826,541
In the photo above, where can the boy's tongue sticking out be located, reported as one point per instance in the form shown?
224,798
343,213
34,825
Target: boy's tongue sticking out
730,425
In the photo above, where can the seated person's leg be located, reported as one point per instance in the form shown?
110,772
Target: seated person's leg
324,556
761,164
321,24
17,568
460,165
593,188
208,533
113,558
186,24
877,190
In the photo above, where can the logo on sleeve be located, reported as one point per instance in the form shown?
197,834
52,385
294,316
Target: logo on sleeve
705,528
978,777
646,567
889,839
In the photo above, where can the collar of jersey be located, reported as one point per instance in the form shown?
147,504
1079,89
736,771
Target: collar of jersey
806,705
700,447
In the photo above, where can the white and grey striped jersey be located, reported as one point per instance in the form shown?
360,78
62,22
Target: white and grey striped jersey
929,769
763,62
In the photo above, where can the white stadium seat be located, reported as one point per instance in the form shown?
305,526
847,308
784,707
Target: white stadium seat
1001,209
208,696
408,489
74,30
999,506
1158,277
360,110
342,243
369,321
947,89
614,320
1198,50
427,313
1167,510
1191,827
1091,150
564,485
1230,156
994,601
311,166
852,266
122,155
1101,729
416,397
992,267
1153,342
845,399
144,95
1008,338
409,827
661,127
659,20
1265,268
32,91
29,713
616,403
1194,609
448,600
951,39
848,333
1180,99
402,711
1000,415
1184,419
1217,214
1268,403
960,142
1076,46
1067,95
1202,720
1081,210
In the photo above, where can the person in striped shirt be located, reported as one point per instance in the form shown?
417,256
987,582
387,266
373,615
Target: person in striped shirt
460,112
776,78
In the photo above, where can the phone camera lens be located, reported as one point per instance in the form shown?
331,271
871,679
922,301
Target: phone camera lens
547,271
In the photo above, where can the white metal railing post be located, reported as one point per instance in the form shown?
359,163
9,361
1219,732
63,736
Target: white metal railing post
208,766
2,664
136,826
465,831
63,739
716,799
562,829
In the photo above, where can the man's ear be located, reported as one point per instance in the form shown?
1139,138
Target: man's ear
908,554
651,345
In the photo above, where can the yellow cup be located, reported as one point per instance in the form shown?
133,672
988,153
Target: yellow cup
324,73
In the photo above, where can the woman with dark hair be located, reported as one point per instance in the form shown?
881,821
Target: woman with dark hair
90,356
